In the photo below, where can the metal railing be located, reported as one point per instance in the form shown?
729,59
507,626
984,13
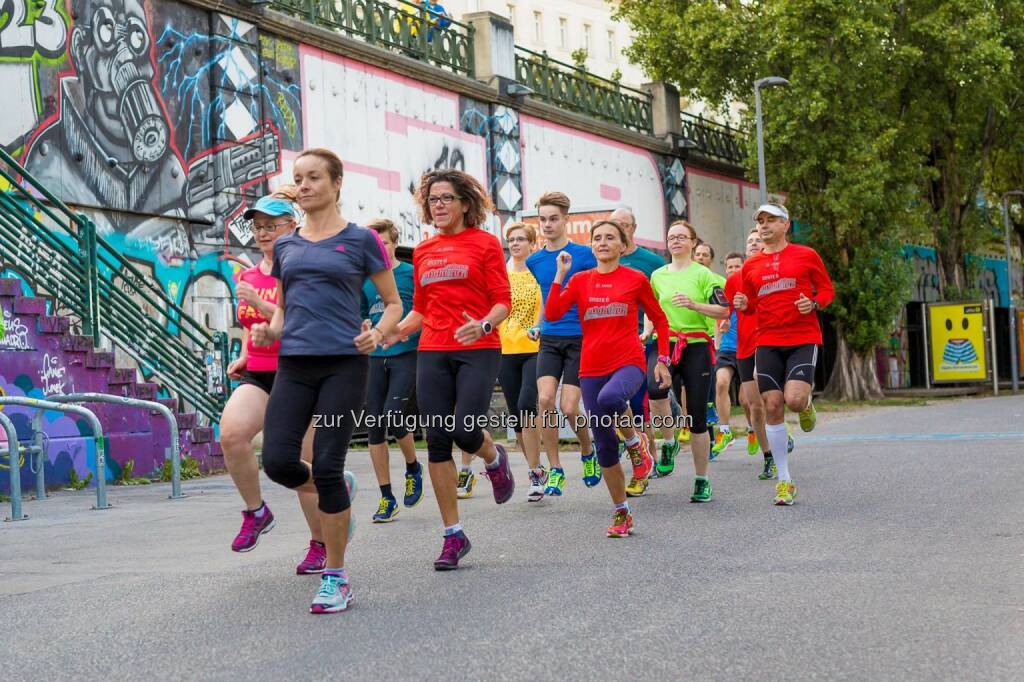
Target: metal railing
13,452
576,89
714,139
61,255
406,27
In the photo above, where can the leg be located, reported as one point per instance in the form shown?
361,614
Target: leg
309,502
528,408
771,368
547,388
723,380
436,379
605,438
377,392
570,404
291,407
241,421
756,413
696,375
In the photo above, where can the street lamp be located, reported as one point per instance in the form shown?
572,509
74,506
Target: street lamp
1014,360
770,81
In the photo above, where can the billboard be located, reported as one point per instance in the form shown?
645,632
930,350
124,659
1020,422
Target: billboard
580,220
959,342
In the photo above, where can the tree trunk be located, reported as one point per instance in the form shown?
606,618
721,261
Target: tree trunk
854,376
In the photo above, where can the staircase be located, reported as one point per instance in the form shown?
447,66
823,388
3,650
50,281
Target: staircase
87,299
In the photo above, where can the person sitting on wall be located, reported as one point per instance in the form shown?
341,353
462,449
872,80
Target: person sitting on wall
436,13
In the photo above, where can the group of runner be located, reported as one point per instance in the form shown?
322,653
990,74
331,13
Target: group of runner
338,331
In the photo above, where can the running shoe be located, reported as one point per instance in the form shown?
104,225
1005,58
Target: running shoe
684,435
538,477
790,443
252,528
640,456
556,481
455,547
724,440
809,417
502,482
387,510
752,444
785,493
769,472
591,469
622,524
467,479
701,490
350,483
315,561
712,414
637,486
413,487
335,594
667,464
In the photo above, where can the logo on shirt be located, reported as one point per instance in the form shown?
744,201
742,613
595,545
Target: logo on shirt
340,248
603,311
377,308
783,284
448,272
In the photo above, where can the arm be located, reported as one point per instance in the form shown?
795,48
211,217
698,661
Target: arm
236,368
384,281
263,333
559,300
822,282
655,316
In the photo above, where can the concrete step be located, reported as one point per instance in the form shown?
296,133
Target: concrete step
119,376
10,287
186,420
145,390
29,305
54,324
75,343
99,360
202,434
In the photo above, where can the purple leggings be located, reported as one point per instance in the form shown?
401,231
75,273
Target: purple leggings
604,397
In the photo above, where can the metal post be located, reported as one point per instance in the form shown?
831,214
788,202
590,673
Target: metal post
37,427
992,345
1012,312
758,84
14,456
925,322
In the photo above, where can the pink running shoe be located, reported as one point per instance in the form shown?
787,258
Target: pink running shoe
455,547
315,561
501,478
252,528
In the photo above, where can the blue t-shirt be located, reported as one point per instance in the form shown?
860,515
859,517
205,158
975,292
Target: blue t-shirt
646,261
322,283
373,308
543,264
728,340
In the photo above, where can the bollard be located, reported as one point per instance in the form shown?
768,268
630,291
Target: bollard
15,460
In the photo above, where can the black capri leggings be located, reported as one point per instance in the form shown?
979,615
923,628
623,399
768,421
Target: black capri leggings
693,372
459,384
328,390
518,379
390,387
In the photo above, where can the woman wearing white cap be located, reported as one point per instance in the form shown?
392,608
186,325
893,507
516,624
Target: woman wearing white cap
272,217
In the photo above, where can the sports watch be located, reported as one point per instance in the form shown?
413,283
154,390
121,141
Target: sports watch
664,359
486,326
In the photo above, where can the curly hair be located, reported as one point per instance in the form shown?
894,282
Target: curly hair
467,188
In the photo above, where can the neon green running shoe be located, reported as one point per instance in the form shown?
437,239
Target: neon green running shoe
752,444
785,493
591,468
770,471
809,417
701,490
667,464
724,440
556,481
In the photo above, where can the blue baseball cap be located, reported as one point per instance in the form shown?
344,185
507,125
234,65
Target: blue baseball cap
271,206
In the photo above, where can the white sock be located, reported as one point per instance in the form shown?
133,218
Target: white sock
452,530
724,428
261,511
630,442
777,439
623,506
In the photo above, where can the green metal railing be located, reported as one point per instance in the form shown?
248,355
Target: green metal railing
714,139
62,256
406,27
576,89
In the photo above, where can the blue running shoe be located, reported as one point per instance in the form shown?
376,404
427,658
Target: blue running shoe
414,487
556,481
334,595
591,469
387,510
712,414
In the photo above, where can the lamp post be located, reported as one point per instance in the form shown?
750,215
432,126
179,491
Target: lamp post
768,82
1014,360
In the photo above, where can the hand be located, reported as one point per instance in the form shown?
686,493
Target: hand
469,332
247,292
682,301
645,336
533,333
394,338
261,334
368,340
236,368
723,325
662,375
563,265
739,301
804,305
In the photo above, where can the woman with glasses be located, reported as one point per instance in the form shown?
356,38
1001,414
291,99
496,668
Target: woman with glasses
272,217
689,294
462,294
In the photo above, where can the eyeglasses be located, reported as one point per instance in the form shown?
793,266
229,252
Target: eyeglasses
256,229
679,238
516,240
444,199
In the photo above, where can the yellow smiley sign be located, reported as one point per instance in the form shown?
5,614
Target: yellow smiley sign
958,349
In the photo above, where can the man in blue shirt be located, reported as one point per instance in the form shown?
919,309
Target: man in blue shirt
561,343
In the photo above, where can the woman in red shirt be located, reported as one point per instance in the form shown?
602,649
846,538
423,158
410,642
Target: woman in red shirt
462,294
612,363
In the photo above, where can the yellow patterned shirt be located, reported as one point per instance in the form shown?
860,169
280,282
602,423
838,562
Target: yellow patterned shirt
525,314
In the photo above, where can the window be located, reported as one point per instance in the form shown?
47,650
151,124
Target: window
538,28
611,46
586,37
473,5
563,33
511,12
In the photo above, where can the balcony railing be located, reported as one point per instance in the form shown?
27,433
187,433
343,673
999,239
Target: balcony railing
576,89
714,139
407,28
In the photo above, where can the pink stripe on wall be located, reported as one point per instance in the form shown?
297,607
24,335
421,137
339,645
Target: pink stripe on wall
611,193
386,179
399,124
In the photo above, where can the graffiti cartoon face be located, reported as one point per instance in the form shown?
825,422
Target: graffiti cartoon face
110,45
959,343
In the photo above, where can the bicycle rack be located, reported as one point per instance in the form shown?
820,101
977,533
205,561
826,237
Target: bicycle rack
173,452
97,431
14,455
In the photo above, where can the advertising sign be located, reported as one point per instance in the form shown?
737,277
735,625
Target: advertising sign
580,221
959,342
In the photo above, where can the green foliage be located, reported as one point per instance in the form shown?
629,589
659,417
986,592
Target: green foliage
76,483
125,477
189,469
579,58
616,76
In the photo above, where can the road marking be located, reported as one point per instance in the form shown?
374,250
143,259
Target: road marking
905,437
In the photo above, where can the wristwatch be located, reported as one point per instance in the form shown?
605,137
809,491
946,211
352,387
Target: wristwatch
664,359
817,306
486,326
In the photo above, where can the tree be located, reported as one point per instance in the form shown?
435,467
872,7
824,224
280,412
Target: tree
858,140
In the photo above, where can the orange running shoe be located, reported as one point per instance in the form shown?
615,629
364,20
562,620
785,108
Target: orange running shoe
622,524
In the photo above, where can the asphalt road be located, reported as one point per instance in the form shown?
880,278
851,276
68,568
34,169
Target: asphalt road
902,559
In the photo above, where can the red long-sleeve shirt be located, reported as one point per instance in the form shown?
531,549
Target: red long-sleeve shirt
773,282
608,308
746,320
458,273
